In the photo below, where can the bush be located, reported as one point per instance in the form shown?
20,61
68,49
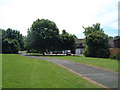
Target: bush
115,53
96,52
96,41
103,53
10,46
87,52
32,51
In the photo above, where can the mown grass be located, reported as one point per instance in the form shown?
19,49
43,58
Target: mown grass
34,54
110,64
25,72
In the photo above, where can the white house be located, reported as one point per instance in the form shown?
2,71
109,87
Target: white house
79,46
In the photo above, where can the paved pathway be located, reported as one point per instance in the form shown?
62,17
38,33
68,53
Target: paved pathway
104,77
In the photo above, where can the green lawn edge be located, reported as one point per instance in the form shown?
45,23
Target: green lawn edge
108,64
17,65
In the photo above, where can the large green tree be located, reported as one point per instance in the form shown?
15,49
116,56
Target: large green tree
12,41
96,41
68,41
43,36
14,34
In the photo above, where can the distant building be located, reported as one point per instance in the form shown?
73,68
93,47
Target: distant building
117,43
79,46
114,43
111,43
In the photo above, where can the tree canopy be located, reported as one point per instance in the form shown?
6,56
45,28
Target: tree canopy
117,37
43,35
12,41
93,28
96,41
68,41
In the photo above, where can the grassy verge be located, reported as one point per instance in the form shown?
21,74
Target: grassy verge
22,51
24,72
110,64
33,53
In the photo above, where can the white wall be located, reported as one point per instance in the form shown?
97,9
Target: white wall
79,51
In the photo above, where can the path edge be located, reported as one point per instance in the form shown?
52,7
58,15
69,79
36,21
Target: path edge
83,76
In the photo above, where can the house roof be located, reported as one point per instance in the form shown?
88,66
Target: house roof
117,39
79,40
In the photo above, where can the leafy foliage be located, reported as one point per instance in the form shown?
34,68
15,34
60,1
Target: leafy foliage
68,41
12,41
91,29
117,37
97,42
43,35
10,46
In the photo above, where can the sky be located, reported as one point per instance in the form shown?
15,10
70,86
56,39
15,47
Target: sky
70,15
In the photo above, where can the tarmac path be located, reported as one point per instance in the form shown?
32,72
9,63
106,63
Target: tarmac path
104,77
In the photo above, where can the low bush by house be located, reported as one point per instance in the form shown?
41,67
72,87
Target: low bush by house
115,53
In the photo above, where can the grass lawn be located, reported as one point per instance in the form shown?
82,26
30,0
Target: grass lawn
110,64
24,72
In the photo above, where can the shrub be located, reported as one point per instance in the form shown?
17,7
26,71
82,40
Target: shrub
32,51
115,53
10,46
97,42
87,51
96,52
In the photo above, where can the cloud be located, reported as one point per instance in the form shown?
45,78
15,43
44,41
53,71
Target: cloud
67,14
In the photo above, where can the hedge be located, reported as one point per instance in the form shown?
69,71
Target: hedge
115,53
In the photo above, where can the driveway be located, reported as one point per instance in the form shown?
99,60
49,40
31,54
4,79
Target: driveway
104,77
